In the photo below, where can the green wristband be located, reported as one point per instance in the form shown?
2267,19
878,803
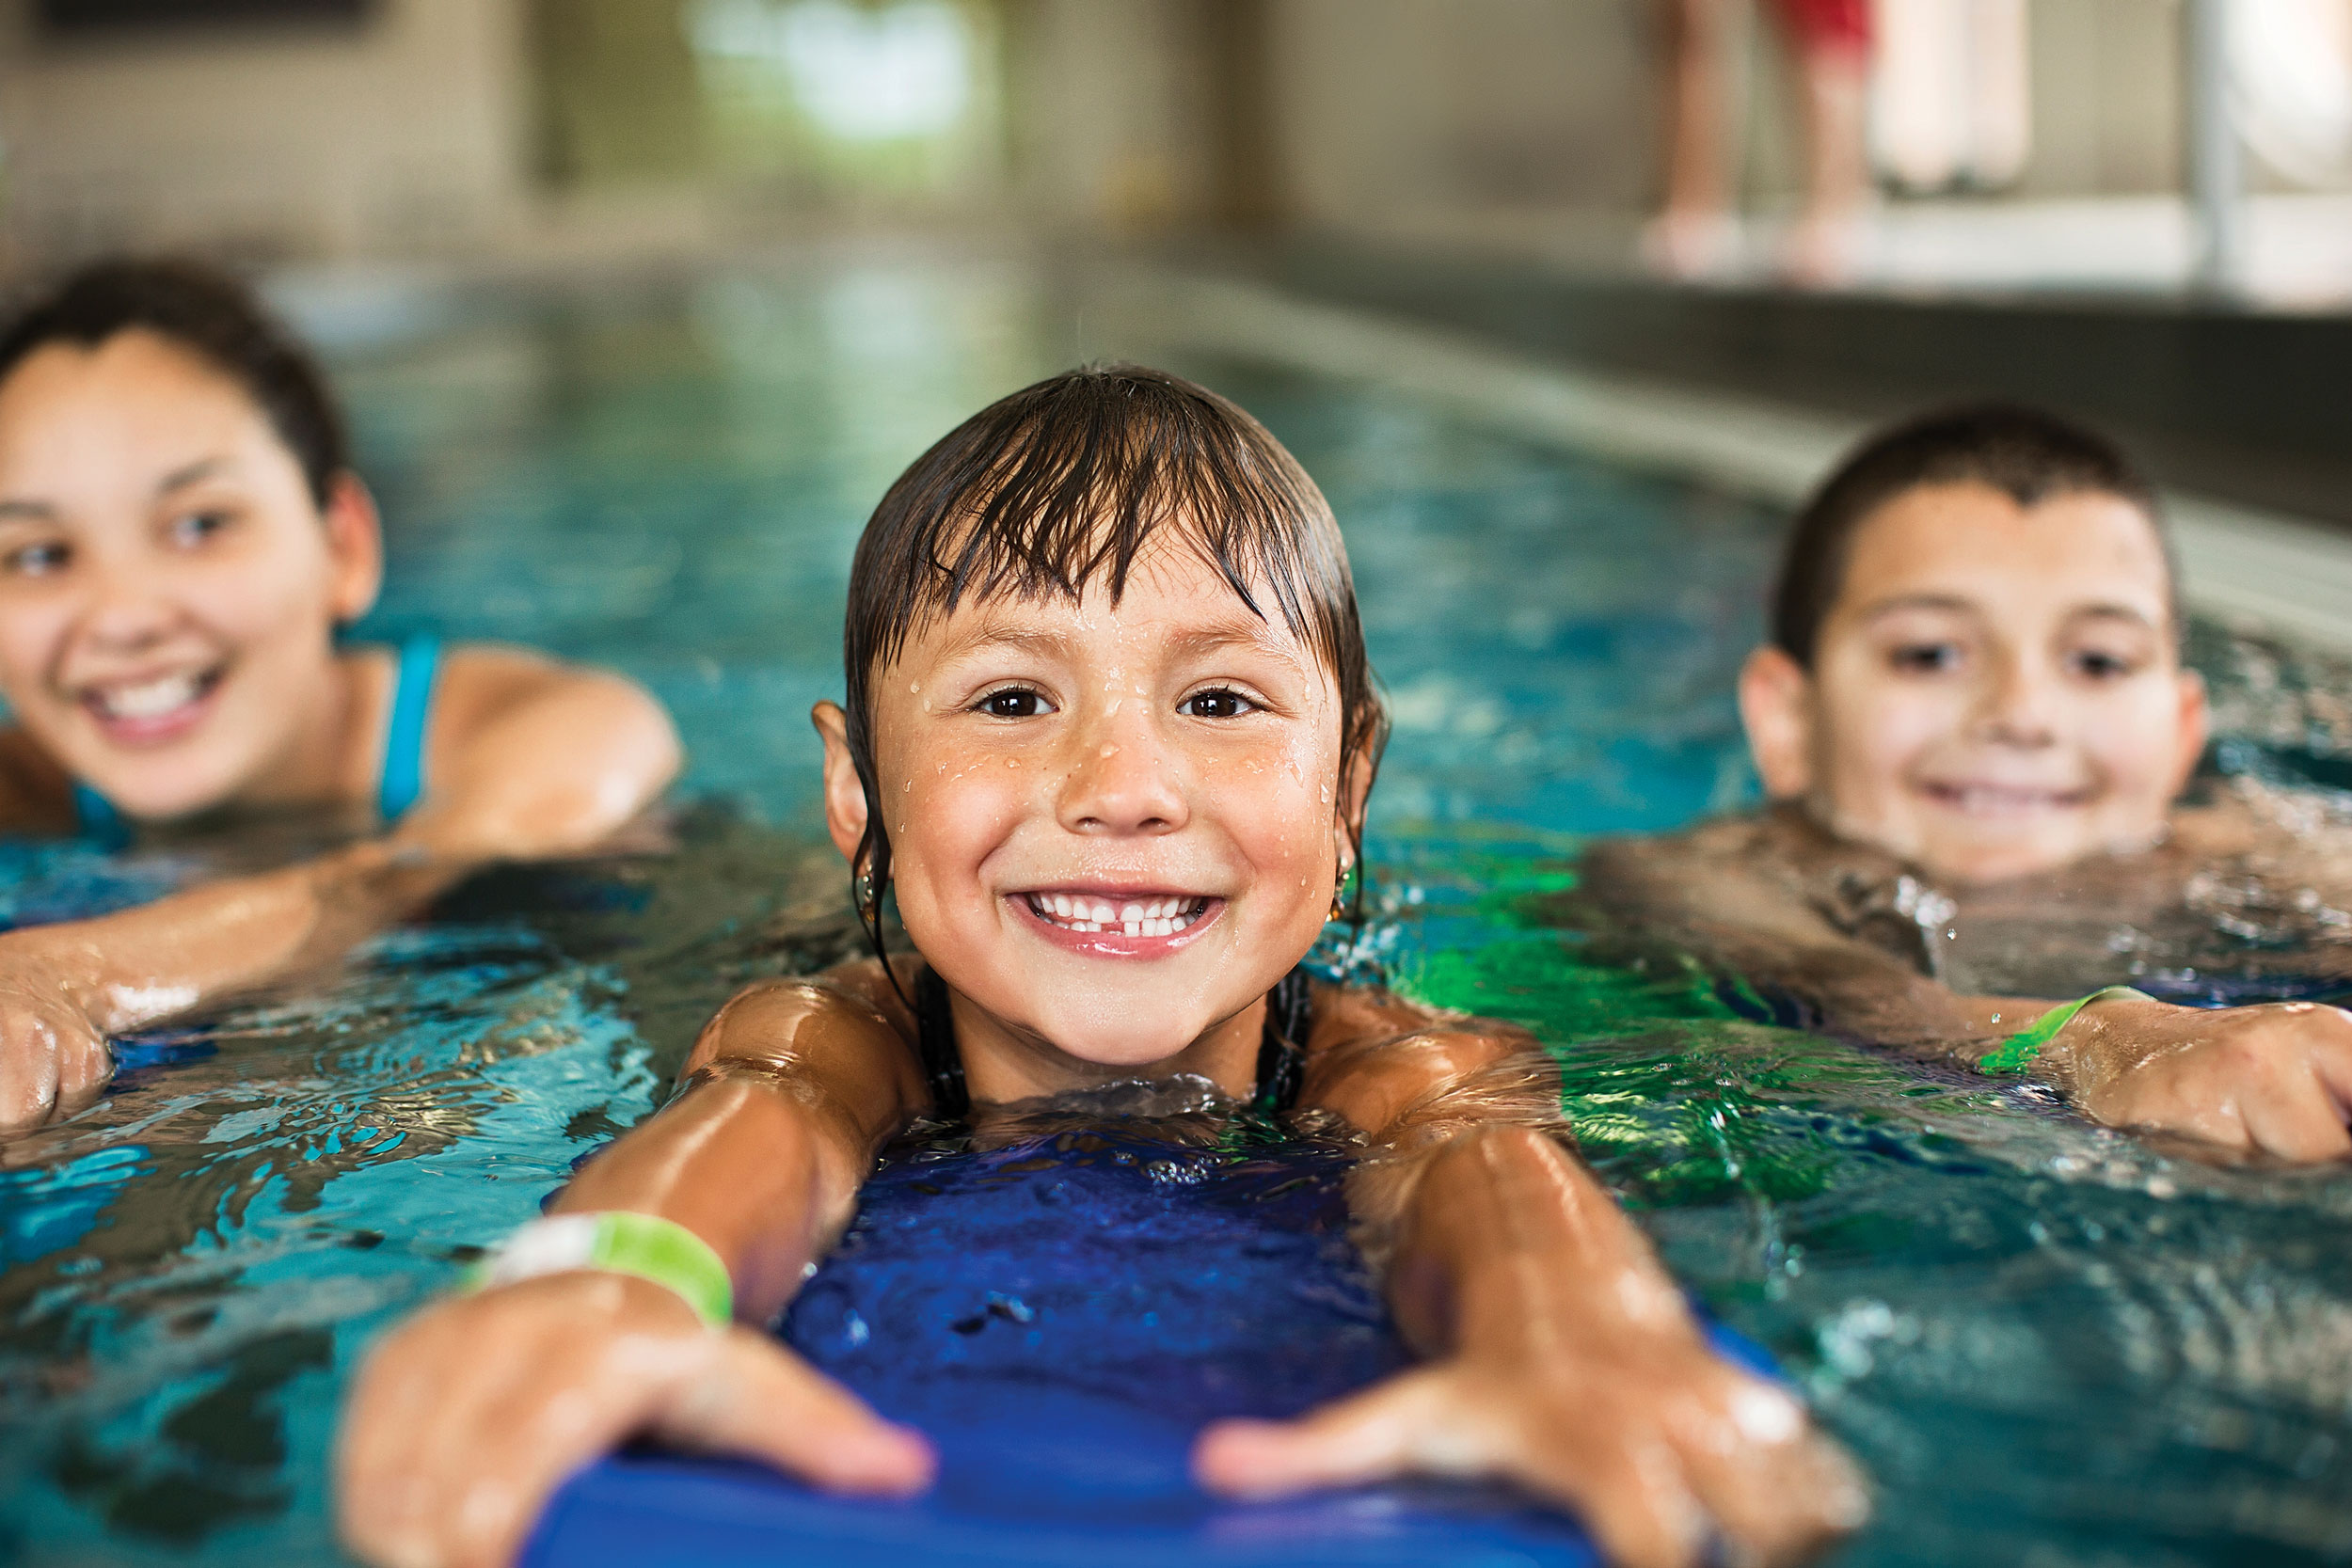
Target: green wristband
660,1250
2023,1048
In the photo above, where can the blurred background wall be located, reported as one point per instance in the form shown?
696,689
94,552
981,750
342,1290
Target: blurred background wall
399,129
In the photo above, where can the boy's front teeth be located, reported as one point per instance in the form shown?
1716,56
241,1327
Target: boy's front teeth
151,699
1152,917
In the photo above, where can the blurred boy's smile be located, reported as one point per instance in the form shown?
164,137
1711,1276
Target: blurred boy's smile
1997,690
1110,823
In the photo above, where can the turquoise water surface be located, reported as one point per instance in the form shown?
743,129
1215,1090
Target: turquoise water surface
2048,1344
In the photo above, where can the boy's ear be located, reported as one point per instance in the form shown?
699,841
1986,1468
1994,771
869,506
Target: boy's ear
1348,822
845,793
1776,709
355,546
2195,726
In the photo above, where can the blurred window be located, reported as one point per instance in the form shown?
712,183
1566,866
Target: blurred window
2290,85
858,74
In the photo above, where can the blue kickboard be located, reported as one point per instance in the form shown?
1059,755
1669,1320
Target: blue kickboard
1061,1317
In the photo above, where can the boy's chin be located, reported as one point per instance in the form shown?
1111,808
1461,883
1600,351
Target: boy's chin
1979,858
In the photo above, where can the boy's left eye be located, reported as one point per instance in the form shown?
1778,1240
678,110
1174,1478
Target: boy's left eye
1215,702
1013,702
2100,666
194,528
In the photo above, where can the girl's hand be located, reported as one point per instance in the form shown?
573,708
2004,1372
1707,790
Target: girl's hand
466,1419
1648,1446
51,1054
2273,1080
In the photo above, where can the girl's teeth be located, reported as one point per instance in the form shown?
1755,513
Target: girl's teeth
151,700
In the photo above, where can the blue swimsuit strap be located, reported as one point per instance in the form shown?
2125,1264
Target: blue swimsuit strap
403,779
96,819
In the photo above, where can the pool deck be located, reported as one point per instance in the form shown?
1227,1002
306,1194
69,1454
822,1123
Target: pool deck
1741,388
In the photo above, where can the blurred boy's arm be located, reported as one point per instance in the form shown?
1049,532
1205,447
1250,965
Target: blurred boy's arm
1562,1356
2273,1079
467,1417
546,760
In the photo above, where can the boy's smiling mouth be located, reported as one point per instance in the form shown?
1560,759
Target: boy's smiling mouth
1974,798
1131,915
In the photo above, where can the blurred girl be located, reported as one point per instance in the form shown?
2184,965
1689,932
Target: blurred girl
181,538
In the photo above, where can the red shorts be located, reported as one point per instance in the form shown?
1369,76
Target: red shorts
1827,23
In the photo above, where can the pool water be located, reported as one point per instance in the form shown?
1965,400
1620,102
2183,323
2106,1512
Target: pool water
2048,1344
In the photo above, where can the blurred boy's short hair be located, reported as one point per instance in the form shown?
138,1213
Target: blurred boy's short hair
2025,453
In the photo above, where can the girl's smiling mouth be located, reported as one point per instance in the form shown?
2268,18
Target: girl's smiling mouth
1118,920
152,709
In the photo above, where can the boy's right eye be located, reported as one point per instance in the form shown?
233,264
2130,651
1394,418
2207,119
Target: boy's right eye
1924,659
35,560
1013,702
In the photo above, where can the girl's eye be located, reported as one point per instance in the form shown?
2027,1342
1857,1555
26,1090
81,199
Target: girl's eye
1925,658
35,560
1216,702
194,528
1014,702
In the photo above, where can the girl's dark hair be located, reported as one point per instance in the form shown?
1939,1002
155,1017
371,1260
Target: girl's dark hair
1062,487
2025,453
213,317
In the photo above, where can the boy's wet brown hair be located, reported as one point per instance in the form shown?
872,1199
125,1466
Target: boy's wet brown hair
2026,455
209,315
1065,485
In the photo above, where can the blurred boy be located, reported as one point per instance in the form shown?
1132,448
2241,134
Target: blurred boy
1974,724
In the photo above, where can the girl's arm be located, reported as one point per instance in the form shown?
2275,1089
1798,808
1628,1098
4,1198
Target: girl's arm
1560,1354
537,760
464,1421
2273,1079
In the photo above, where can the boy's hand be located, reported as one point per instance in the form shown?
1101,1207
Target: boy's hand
2273,1080
51,1054
1650,1442
465,1420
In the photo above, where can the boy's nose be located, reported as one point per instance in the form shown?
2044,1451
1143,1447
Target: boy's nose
2014,707
1120,782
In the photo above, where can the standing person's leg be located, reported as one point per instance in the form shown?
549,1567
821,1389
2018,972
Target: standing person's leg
1830,41
1693,233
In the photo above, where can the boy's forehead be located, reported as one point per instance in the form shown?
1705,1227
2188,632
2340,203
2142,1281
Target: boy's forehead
1975,542
1167,593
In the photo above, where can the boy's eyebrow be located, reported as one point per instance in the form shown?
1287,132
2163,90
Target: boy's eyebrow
203,468
1889,605
2105,610
13,511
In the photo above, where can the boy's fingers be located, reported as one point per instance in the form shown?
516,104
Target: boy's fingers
1779,1502
1629,1493
758,1401
1395,1426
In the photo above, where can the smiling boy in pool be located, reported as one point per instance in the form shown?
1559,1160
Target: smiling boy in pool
1974,725
1108,734
181,536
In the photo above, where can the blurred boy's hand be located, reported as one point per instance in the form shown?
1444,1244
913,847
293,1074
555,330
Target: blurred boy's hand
2272,1081
1650,1438
465,1420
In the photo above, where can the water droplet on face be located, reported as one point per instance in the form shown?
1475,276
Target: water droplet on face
1110,751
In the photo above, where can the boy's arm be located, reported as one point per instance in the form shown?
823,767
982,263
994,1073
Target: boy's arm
2273,1079
1562,1356
466,1418
548,761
